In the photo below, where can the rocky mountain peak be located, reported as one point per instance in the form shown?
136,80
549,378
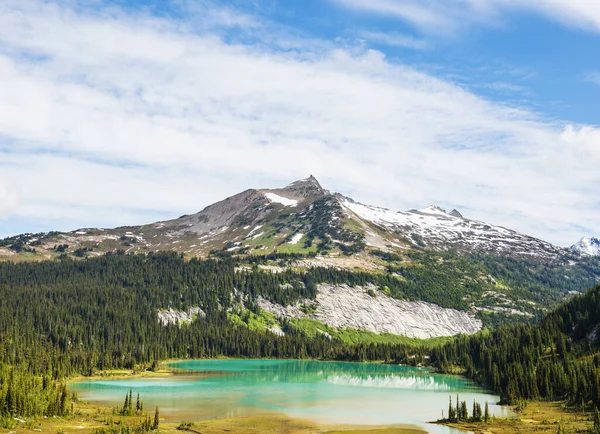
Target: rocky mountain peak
589,246
433,209
307,187
456,213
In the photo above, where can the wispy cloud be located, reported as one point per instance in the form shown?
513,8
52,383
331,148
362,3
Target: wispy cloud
394,40
447,16
593,77
115,118
505,87
426,15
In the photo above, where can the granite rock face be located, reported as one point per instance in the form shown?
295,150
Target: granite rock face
172,316
367,308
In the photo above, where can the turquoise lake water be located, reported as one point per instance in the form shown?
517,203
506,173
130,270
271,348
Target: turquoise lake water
323,392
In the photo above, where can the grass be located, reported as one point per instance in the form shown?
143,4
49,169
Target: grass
354,336
246,318
536,417
312,328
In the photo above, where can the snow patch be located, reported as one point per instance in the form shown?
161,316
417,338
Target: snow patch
296,238
254,230
438,229
589,246
280,199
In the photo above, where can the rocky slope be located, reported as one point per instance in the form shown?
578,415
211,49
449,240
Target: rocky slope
302,217
366,308
435,228
589,246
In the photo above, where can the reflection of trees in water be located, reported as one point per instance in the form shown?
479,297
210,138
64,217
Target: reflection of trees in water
336,373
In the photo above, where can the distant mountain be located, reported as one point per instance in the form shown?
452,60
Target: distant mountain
587,246
417,255
302,217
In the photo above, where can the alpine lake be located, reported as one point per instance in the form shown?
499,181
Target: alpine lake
328,393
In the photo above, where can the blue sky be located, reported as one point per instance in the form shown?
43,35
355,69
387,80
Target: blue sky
126,112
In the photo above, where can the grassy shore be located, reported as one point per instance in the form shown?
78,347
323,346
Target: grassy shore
536,417
88,418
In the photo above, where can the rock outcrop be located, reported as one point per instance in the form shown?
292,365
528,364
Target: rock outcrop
366,308
172,316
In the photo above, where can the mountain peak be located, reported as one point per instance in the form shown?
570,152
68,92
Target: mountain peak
587,246
311,180
306,187
456,213
433,209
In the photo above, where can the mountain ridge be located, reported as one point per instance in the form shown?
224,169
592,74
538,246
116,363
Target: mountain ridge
269,219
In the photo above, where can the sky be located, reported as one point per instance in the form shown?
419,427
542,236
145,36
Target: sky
127,112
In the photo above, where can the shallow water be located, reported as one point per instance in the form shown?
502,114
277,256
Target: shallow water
323,392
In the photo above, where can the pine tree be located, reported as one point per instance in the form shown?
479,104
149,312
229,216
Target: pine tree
126,404
155,424
138,404
457,408
130,403
451,412
63,401
464,413
486,414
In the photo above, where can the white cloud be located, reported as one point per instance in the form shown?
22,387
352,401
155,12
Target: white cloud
117,119
394,40
443,16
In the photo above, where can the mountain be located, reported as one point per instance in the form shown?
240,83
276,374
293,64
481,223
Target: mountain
487,272
302,217
587,246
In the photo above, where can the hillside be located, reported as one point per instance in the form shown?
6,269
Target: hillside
556,359
491,273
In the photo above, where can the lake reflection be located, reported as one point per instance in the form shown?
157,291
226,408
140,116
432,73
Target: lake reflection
324,392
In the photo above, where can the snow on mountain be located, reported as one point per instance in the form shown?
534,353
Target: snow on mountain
433,227
276,217
296,238
587,246
280,199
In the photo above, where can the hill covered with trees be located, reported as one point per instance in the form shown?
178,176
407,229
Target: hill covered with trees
556,359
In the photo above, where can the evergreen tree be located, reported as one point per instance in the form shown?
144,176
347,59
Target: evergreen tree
130,403
464,413
486,414
156,417
451,412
